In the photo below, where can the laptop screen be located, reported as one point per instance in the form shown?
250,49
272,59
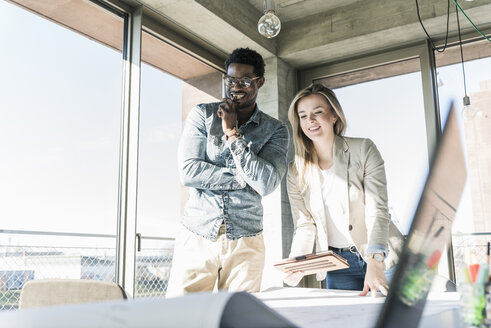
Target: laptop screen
430,230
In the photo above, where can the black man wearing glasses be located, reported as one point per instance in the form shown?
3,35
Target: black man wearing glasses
231,154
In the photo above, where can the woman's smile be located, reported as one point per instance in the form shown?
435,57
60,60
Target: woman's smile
314,128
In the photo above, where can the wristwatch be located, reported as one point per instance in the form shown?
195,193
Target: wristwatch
235,132
379,257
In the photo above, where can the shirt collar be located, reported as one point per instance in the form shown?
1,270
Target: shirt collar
255,116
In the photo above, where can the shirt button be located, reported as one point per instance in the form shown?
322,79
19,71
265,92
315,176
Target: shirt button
350,227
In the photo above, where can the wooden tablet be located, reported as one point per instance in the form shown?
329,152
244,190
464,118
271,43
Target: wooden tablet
313,263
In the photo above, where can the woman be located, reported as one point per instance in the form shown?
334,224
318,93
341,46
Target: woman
338,195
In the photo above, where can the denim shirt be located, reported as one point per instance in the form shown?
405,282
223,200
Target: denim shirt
227,181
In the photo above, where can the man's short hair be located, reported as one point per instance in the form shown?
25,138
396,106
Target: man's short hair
246,56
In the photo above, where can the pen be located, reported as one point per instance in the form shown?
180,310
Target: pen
473,269
482,275
487,259
472,266
465,274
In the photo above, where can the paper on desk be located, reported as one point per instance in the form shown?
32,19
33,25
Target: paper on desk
222,309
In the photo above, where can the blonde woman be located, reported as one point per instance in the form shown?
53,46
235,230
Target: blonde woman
338,196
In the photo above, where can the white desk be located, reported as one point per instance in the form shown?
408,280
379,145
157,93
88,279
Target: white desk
311,307
302,307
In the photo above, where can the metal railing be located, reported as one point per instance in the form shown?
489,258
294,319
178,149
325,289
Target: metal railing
21,263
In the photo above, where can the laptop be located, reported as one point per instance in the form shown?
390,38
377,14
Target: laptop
430,230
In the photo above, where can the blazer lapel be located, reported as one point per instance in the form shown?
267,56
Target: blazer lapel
341,164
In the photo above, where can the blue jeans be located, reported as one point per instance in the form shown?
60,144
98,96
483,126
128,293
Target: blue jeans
353,277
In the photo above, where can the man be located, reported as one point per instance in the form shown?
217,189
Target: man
230,155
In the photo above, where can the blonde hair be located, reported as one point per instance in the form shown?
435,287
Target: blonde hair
305,155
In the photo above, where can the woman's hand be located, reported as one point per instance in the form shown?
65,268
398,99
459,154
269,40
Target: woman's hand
375,278
292,278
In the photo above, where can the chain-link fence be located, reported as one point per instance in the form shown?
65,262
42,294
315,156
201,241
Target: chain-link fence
152,273
19,264
469,248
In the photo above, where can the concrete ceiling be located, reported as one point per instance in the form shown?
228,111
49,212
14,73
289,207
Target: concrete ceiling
316,32
294,9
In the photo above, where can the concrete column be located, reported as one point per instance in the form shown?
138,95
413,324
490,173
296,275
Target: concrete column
274,99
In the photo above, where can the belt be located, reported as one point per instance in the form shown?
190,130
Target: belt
351,249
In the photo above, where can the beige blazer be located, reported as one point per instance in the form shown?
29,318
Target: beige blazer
360,179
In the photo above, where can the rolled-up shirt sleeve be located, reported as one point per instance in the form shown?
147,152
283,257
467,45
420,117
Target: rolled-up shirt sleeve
305,229
376,208
372,249
262,171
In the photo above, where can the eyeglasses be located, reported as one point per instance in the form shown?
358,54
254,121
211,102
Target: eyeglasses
243,82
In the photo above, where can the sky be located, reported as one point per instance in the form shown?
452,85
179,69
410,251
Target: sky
60,130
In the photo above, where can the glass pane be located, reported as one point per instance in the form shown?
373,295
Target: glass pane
171,83
389,110
472,227
59,138
61,129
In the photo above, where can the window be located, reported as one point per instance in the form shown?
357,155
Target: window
172,82
60,126
476,137
472,227
60,118
386,105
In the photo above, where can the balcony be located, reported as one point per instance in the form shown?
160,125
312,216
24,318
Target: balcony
20,263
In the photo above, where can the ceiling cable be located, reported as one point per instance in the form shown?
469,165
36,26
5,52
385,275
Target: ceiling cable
470,21
461,51
424,29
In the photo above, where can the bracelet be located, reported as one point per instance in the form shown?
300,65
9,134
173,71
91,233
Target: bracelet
235,133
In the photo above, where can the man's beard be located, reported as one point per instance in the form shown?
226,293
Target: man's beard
247,103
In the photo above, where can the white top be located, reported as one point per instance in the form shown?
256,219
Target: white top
337,224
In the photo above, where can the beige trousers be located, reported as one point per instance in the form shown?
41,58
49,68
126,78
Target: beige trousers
199,264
